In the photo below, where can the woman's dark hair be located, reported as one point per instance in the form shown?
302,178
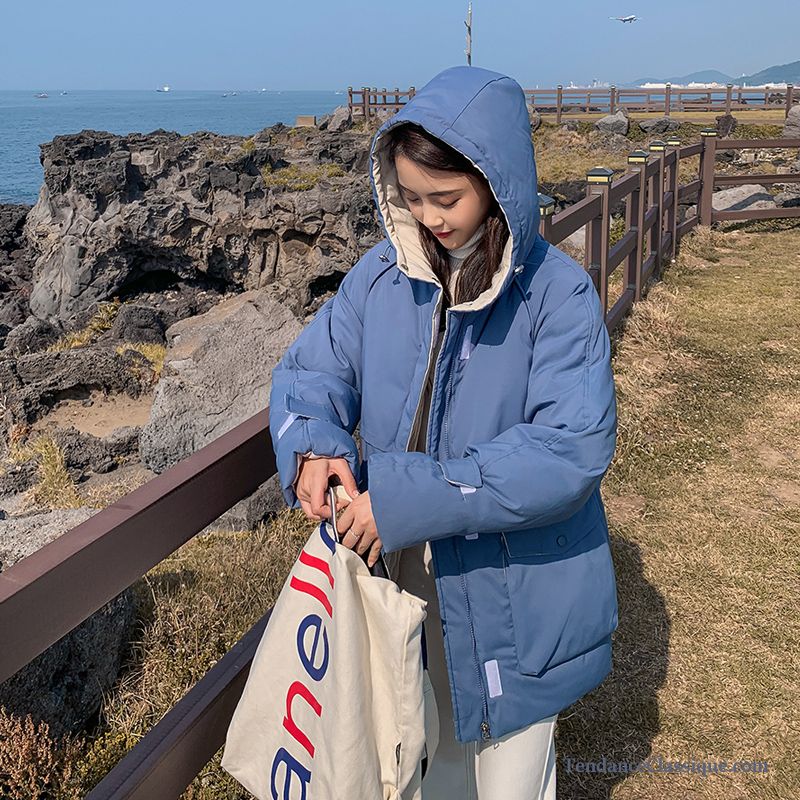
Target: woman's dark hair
475,275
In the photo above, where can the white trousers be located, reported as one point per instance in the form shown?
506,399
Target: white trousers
518,766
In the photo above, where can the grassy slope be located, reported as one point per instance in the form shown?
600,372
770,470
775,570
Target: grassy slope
704,504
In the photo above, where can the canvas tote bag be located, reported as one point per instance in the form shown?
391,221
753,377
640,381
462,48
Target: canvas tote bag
337,703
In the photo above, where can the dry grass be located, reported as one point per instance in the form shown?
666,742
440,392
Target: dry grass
704,508
563,154
101,321
55,488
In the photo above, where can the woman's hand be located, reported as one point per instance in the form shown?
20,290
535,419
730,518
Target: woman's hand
312,485
358,526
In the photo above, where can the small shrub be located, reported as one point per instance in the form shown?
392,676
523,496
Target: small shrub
616,230
248,145
32,764
55,488
298,177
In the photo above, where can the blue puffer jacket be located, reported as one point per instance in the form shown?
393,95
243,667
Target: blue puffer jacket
522,423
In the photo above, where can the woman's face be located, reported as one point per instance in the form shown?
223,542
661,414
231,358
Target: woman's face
455,203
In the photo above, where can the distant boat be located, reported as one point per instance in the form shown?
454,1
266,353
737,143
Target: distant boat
42,95
63,93
337,92
164,88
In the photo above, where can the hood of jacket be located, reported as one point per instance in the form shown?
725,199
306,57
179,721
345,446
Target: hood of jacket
483,115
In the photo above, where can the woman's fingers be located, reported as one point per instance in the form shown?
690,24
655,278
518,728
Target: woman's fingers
318,490
374,552
306,506
340,467
345,519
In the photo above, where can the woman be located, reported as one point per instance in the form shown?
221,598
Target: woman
475,357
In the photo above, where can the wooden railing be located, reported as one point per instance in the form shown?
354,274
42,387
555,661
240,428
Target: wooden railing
50,592
366,101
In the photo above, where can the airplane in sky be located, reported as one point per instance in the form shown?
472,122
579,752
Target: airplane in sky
629,18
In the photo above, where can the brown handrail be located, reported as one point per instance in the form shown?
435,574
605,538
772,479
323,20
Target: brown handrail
93,562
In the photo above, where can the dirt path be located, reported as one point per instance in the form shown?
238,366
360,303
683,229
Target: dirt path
704,505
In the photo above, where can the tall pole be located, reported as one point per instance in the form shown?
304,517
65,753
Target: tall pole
468,23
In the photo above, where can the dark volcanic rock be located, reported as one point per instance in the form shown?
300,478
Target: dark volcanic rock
139,323
32,336
119,215
726,124
15,265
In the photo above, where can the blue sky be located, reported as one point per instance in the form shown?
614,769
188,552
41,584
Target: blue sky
199,44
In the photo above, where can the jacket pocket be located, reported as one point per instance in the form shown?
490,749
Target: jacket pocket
562,590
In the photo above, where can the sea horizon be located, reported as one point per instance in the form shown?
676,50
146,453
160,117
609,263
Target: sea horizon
27,121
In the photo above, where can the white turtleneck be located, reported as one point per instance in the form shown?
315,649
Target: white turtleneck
457,255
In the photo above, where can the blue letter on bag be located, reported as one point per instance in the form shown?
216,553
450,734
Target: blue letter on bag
293,767
307,659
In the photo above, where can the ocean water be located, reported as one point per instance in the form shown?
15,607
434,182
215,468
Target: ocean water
26,121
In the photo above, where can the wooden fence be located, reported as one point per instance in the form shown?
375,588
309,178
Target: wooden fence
367,102
50,592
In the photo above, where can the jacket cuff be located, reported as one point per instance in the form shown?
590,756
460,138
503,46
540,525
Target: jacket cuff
415,498
315,436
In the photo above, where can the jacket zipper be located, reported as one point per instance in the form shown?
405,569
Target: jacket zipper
485,729
446,415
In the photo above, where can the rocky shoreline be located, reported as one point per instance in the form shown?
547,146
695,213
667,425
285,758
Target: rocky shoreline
143,301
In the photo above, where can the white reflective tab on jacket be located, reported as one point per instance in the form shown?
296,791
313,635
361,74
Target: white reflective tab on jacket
287,422
466,344
493,678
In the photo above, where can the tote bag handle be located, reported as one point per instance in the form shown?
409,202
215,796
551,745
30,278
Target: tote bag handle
378,569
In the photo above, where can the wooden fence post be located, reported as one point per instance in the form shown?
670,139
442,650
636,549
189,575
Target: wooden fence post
635,211
613,102
728,97
707,156
350,99
672,186
657,147
559,98
789,97
667,99
546,208
365,102
598,181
